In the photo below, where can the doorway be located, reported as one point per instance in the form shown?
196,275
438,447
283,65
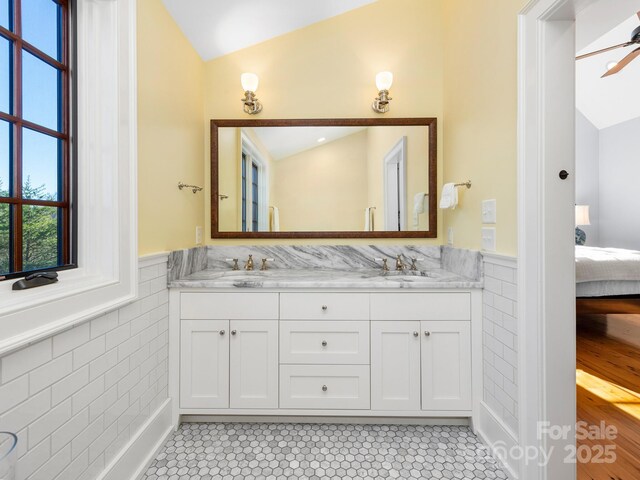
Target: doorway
395,187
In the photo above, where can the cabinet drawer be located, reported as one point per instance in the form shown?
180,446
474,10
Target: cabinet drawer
334,387
421,306
229,306
324,343
324,306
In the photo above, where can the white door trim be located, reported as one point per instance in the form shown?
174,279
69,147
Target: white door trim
398,154
544,393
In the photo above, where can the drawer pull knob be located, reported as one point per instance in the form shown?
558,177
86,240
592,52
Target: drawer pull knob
427,334
324,343
324,308
233,332
324,388
415,334
221,332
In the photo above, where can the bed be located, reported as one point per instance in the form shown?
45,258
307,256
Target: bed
607,280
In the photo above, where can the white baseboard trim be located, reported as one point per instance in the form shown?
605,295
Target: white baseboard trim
494,433
134,459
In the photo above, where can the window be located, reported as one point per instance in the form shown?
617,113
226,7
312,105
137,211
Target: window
35,160
254,181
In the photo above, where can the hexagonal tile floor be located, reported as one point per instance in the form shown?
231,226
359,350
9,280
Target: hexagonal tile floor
252,451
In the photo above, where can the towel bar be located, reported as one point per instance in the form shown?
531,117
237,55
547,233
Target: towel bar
464,184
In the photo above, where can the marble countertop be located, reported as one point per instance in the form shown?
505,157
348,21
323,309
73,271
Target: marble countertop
316,278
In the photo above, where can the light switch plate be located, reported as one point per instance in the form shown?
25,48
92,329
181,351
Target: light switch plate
198,235
450,236
489,211
489,239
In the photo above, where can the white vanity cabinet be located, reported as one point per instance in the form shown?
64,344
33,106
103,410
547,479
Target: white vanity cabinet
204,364
395,365
253,366
376,353
446,365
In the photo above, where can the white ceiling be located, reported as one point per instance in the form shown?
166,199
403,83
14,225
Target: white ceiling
282,142
615,99
219,27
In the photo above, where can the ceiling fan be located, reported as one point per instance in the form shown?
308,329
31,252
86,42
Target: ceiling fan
635,40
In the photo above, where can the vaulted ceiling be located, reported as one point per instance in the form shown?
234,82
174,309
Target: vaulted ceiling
219,27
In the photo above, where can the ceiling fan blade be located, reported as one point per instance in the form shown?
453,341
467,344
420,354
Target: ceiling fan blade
608,49
623,63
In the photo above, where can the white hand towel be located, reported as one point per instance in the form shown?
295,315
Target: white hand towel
367,219
418,207
449,198
275,220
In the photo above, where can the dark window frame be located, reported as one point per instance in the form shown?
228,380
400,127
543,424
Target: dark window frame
67,180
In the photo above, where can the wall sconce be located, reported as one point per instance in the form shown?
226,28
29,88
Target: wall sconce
250,85
384,80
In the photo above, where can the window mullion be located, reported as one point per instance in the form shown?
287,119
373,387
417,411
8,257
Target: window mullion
17,137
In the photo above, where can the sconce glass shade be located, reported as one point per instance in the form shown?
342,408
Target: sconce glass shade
249,82
384,80
582,215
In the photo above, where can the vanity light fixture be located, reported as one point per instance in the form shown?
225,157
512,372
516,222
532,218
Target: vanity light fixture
250,84
384,80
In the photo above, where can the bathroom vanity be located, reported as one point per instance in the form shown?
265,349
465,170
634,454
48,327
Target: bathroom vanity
347,342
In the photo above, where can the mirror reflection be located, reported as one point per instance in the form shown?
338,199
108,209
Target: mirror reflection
323,178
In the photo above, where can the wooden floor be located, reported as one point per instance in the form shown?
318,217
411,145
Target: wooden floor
608,389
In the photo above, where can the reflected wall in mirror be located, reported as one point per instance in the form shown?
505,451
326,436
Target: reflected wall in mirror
348,178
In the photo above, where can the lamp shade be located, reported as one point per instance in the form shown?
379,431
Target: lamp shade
582,215
249,82
384,80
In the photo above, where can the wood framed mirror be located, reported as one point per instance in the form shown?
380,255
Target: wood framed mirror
324,178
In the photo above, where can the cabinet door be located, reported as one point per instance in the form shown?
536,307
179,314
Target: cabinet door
204,364
446,366
254,364
395,365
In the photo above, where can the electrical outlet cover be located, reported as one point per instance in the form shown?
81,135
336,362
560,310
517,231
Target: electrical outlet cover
450,236
198,235
489,239
489,211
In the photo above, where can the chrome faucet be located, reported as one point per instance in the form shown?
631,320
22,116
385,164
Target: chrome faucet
400,266
249,264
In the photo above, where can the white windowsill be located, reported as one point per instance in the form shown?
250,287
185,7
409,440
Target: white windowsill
107,179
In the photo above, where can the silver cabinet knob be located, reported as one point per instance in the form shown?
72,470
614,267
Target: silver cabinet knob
222,332
324,308
324,343
324,388
233,332
427,334
415,334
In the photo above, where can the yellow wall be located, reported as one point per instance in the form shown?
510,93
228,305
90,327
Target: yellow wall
170,136
328,70
452,59
380,142
480,103
323,188
230,174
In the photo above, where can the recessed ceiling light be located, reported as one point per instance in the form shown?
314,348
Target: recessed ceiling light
610,65
321,139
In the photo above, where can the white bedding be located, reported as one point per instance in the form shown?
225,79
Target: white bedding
595,264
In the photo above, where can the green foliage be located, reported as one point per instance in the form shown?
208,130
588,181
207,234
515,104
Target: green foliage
40,231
